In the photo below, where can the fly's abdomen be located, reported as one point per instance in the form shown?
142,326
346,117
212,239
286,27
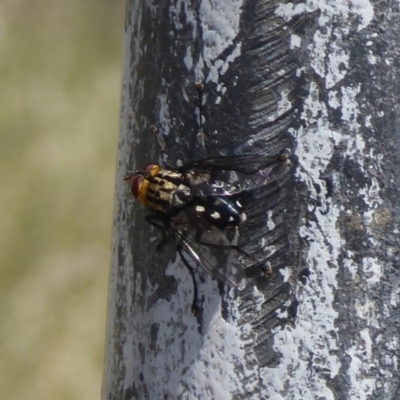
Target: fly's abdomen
167,191
221,211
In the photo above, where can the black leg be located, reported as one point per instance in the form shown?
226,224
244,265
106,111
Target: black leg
260,263
195,304
159,223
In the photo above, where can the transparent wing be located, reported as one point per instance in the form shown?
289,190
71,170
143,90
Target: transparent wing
226,176
208,247
247,164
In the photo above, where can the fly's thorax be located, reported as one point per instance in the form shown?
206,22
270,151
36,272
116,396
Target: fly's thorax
167,191
197,178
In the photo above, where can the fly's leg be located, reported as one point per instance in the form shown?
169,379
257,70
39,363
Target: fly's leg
260,263
158,222
196,302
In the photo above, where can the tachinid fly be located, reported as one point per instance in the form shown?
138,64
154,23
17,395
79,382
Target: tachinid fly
199,205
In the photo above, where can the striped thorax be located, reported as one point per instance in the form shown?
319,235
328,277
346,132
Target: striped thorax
160,189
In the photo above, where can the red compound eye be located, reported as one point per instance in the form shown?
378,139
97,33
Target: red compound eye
136,182
148,167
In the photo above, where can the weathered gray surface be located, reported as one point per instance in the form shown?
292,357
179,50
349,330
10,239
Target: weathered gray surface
322,80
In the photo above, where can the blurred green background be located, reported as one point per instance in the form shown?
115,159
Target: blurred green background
60,80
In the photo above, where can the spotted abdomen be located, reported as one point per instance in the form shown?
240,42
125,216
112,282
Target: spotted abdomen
221,211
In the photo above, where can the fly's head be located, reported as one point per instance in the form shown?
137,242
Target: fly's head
140,181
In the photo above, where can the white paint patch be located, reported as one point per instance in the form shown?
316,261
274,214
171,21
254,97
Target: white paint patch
366,310
350,113
295,41
372,271
394,297
364,10
220,26
338,59
372,59
235,53
286,273
163,116
283,105
188,60
288,11
334,101
351,266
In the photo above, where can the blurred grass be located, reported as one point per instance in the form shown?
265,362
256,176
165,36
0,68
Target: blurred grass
60,74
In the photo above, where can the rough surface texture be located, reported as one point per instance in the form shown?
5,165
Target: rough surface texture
320,78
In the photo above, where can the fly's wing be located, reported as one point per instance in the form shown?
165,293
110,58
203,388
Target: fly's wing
247,164
226,176
208,247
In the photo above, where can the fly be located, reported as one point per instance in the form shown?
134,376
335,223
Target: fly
200,206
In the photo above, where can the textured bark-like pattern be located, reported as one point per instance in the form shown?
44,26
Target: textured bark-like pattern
319,78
